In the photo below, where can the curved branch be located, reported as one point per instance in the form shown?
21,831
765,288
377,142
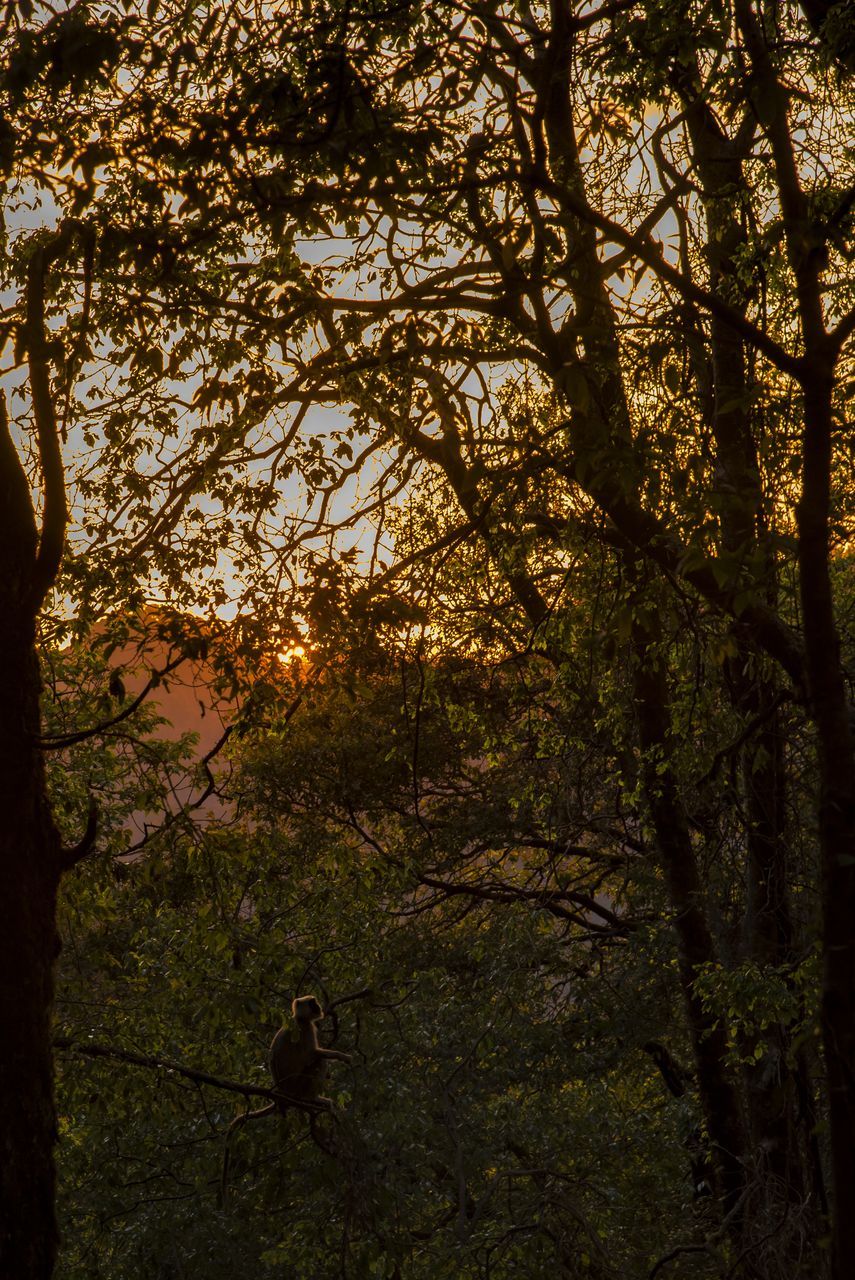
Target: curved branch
56,743
55,507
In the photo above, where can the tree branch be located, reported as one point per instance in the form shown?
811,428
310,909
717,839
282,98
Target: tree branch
55,506
650,536
188,1073
58,742
652,256
549,900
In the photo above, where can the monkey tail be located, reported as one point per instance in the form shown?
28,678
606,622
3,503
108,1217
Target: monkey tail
237,1123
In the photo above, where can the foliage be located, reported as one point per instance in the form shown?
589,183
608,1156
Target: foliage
499,1113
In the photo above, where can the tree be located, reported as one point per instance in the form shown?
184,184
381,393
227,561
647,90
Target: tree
634,218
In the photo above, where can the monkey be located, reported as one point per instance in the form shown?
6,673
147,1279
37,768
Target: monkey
298,1069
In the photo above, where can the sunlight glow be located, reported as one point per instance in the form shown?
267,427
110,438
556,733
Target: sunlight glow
295,654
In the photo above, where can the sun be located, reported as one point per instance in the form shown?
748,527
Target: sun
296,653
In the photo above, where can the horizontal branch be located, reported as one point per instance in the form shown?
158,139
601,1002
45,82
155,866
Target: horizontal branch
549,900
152,1063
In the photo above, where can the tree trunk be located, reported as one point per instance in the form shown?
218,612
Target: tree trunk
780,1142
718,1091
30,854
29,862
805,236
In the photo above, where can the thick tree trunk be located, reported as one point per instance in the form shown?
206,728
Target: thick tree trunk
30,855
609,466
805,235
781,1140
29,862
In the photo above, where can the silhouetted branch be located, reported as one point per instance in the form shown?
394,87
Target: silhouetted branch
152,1063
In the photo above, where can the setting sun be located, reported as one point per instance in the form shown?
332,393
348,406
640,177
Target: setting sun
296,653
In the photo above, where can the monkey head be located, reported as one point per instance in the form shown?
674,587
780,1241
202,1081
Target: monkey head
306,1009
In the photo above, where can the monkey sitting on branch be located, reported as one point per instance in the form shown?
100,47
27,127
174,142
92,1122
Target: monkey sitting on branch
298,1068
